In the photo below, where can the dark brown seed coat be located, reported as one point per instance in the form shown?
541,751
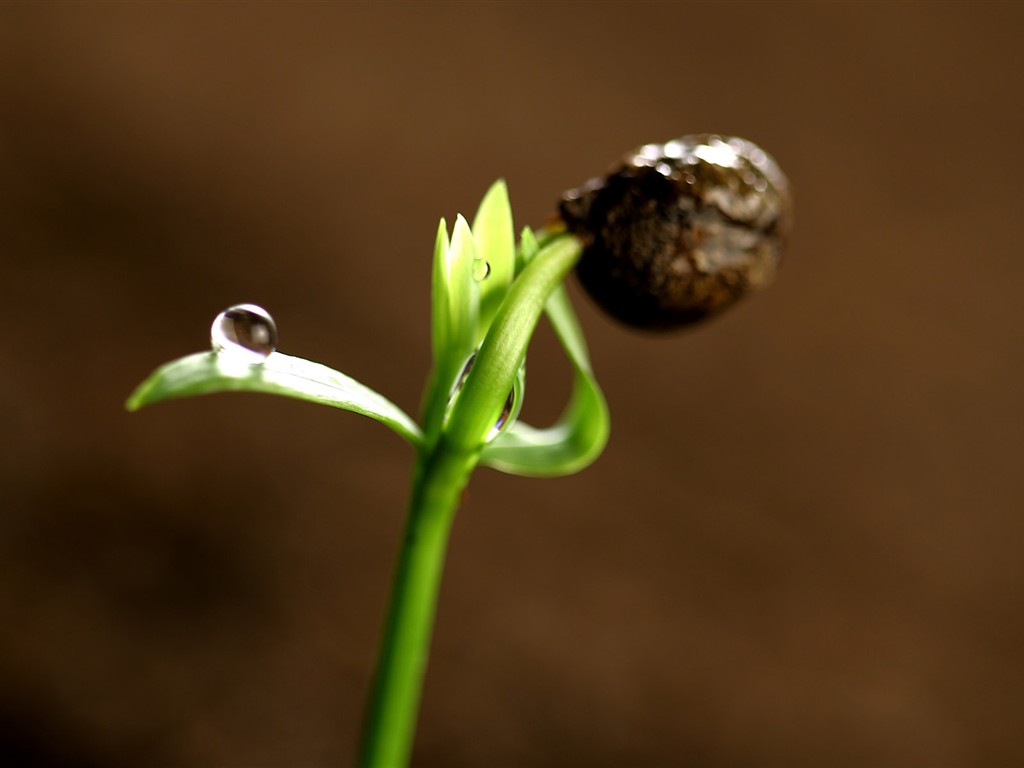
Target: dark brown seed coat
680,231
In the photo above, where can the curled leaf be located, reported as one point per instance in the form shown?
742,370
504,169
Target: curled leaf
504,348
580,434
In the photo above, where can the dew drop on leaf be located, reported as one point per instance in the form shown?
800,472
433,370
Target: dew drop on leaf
481,269
245,332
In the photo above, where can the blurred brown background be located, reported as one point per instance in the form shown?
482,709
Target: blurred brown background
803,544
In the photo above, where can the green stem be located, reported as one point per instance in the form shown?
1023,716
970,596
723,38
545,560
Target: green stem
440,478
442,471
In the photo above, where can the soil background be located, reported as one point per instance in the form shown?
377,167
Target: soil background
802,546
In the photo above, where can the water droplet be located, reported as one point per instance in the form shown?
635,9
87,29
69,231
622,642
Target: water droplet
481,269
504,417
245,332
462,378
509,410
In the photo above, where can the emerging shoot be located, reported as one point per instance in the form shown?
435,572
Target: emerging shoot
676,233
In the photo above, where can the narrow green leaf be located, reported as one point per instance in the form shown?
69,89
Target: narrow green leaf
495,244
528,247
439,296
579,435
431,407
567,328
463,292
208,372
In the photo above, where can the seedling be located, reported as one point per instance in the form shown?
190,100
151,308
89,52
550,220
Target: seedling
676,233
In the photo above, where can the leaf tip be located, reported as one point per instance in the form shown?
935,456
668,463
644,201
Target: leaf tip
462,240
499,187
140,397
136,400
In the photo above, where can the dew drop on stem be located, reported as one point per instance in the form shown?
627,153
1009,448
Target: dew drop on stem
245,333
507,410
505,417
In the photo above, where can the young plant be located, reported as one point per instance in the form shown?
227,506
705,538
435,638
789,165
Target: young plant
674,234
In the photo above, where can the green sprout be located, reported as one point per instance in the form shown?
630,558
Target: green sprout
675,234
488,295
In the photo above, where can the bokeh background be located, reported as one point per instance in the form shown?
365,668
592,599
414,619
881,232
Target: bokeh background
803,544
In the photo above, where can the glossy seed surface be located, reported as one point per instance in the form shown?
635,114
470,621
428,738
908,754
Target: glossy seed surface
679,231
